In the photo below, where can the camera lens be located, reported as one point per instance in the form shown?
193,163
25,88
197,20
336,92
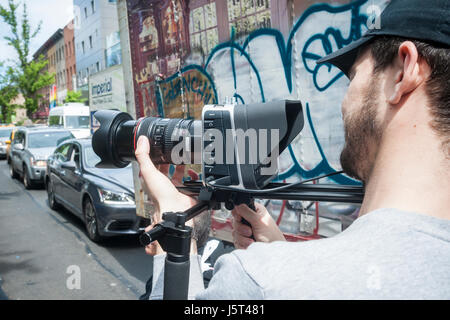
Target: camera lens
116,139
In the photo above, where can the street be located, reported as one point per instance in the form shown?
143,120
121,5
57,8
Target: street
46,254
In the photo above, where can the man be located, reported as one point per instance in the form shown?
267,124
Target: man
397,129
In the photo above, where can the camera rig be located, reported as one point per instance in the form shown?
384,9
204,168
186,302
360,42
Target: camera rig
175,237
254,134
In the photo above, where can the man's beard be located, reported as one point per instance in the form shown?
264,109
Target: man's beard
362,136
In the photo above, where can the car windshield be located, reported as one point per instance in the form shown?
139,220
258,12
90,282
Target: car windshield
91,158
5,133
77,122
47,139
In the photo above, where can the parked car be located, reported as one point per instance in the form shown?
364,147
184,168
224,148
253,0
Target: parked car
8,143
102,198
5,133
29,152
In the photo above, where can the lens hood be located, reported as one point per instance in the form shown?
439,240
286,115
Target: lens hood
103,140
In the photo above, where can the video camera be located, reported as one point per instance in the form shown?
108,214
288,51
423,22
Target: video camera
237,145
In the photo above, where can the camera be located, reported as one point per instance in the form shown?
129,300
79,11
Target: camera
237,145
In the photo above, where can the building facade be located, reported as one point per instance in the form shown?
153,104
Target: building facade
61,81
70,60
96,27
49,50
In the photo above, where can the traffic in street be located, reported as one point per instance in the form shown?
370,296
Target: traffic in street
47,254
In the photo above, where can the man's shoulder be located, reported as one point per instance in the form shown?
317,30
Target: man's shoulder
385,242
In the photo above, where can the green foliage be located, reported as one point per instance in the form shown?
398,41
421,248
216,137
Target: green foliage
29,76
8,92
75,96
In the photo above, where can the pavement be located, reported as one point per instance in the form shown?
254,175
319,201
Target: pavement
46,254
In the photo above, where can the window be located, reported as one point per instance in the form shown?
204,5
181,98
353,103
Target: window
203,27
75,157
5,133
55,121
62,152
90,157
97,65
47,139
19,138
90,42
93,6
82,46
77,122
85,12
247,15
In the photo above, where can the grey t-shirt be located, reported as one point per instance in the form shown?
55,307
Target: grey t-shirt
385,254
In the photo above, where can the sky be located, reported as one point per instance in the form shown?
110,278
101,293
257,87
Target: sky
54,14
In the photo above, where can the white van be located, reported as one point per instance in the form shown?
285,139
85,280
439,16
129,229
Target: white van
75,117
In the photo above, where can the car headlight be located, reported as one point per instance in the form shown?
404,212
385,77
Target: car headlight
38,163
2,143
109,197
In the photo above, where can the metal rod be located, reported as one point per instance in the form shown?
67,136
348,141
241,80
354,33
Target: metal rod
307,192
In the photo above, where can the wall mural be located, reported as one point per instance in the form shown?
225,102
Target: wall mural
265,67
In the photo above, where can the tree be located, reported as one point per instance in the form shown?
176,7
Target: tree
8,92
75,96
30,76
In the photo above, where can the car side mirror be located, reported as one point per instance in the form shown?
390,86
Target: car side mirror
18,146
69,165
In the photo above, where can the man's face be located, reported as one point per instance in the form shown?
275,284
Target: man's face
361,111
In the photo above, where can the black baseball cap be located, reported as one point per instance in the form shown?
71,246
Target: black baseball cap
425,20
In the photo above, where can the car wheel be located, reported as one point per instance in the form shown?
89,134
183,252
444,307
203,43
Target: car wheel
90,218
13,172
51,196
26,179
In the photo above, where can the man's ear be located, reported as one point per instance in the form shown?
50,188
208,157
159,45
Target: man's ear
408,74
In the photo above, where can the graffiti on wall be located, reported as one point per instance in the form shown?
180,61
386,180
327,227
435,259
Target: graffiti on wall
184,94
266,67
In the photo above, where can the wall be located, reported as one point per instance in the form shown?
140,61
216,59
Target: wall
264,65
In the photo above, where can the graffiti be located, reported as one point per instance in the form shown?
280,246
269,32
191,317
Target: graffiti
192,89
148,38
265,67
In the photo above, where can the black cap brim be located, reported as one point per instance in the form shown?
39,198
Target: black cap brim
345,58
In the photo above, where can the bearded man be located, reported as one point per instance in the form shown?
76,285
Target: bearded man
397,130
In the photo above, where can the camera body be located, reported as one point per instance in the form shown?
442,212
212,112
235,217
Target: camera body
237,145
239,160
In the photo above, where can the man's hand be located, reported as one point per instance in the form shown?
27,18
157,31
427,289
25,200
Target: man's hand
263,229
161,190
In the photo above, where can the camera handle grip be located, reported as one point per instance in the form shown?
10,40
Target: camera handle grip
251,205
